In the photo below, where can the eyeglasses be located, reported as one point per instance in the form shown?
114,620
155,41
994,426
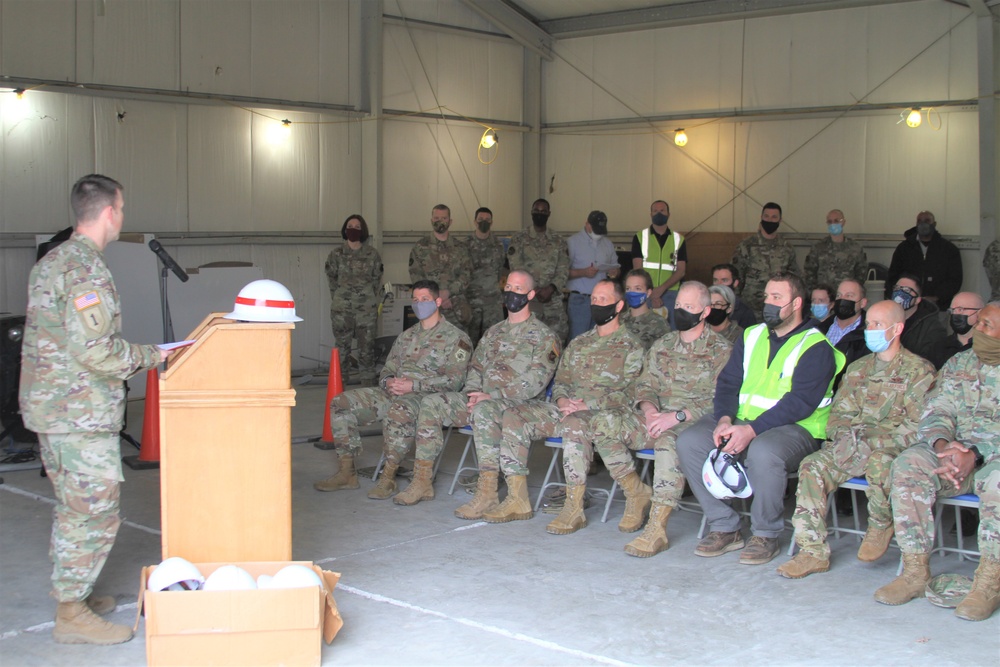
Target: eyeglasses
971,311
721,305
907,290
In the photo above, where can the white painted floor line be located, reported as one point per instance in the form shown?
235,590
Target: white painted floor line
51,501
541,643
48,625
478,524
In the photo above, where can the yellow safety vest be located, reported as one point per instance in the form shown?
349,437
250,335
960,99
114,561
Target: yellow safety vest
660,262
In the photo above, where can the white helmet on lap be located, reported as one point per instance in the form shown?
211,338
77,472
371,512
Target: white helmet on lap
724,476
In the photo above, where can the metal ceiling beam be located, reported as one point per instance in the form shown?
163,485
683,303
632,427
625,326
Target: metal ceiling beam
514,23
688,13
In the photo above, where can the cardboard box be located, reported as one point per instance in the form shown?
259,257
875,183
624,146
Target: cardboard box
239,628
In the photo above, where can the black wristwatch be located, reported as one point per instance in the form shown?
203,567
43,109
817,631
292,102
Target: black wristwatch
681,417
979,457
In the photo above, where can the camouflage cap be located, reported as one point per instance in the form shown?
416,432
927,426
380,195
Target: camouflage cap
948,590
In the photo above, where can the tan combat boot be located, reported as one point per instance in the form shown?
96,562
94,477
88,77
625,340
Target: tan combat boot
346,477
984,598
516,506
101,604
421,486
875,543
654,538
637,499
803,565
485,499
77,624
571,518
910,584
386,484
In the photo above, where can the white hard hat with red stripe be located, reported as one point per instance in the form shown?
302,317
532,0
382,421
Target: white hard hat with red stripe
264,301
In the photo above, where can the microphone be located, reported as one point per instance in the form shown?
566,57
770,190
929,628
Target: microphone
167,260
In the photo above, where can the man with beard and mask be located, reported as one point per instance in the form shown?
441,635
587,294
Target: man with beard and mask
596,373
846,329
720,318
674,390
836,257
646,325
923,327
489,263
772,401
513,363
445,260
545,256
935,261
590,251
874,417
991,262
963,315
430,357
759,256
958,452
663,254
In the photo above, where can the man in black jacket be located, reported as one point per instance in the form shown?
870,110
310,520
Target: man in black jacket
964,313
923,325
935,261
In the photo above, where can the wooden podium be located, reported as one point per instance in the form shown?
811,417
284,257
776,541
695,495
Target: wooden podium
225,444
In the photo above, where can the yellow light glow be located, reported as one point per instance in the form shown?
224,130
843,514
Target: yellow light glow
680,137
489,139
913,119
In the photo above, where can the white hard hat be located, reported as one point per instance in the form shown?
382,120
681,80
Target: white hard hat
264,301
230,578
175,574
293,576
724,476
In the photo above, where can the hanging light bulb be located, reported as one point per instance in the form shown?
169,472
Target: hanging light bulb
913,119
680,137
19,92
489,138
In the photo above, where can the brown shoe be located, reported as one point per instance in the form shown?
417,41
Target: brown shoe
101,604
908,585
759,550
77,624
716,543
875,543
803,565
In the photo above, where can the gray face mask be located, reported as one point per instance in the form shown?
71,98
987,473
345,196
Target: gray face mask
424,309
924,229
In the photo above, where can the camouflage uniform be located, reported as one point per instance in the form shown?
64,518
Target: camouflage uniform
873,418
73,362
435,360
648,329
828,263
757,258
488,259
732,331
991,262
448,264
545,256
676,376
513,363
355,278
596,369
963,406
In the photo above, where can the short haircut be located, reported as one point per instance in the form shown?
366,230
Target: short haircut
725,291
364,227
481,209
526,274
861,287
831,293
906,275
793,280
703,295
91,194
541,201
641,273
617,286
773,205
429,285
660,201
442,207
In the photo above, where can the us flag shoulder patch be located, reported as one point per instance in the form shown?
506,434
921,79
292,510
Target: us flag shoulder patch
86,301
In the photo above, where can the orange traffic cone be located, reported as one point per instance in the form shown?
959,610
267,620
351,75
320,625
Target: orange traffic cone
149,450
334,387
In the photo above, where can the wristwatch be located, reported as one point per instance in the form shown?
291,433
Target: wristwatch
681,417
979,457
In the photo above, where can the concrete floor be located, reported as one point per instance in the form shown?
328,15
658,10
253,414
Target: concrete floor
421,587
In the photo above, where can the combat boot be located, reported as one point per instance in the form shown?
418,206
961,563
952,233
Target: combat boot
910,584
571,518
421,486
345,478
803,565
637,499
485,499
984,597
386,484
654,538
77,624
101,604
516,506
875,543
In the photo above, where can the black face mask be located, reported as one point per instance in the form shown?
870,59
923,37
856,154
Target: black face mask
769,227
484,225
844,309
716,317
514,302
685,320
604,314
772,315
660,219
539,219
960,324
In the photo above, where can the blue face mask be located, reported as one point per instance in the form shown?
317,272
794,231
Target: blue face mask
820,310
635,299
424,309
876,341
904,299
835,229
